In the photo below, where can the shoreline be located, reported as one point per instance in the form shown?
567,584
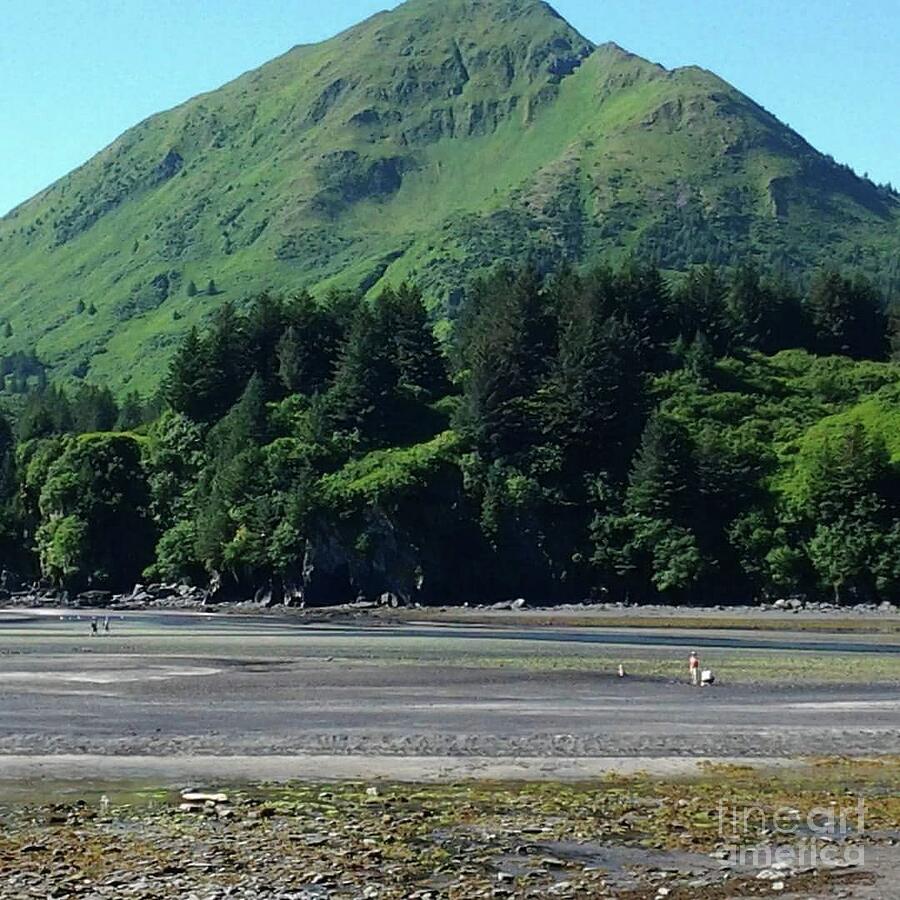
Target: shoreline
849,619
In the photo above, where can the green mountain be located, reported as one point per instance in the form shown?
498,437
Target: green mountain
428,142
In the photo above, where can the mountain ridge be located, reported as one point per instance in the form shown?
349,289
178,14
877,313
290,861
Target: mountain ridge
426,142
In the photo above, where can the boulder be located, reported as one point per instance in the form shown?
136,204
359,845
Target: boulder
265,596
94,598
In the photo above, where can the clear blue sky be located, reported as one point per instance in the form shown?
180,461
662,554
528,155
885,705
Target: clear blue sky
74,74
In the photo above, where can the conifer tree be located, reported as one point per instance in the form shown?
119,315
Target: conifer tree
506,348
700,302
418,358
362,397
94,409
661,476
46,412
131,414
264,328
246,424
291,368
187,385
311,352
227,367
746,305
594,395
234,493
642,296
699,360
848,316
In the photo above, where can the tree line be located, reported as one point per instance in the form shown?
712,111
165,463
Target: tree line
617,434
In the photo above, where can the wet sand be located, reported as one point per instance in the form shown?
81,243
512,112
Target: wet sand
176,687
61,774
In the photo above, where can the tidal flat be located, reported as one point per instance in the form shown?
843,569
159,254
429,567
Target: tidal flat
184,686
745,831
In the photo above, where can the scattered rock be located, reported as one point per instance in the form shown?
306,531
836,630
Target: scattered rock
205,803
194,797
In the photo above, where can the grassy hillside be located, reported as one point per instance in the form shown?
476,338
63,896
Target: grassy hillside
427,142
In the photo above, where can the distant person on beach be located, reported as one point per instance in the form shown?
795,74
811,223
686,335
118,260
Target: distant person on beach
694,666
94,628
106,625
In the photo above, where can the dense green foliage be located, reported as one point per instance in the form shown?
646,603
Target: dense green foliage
612,435
425,145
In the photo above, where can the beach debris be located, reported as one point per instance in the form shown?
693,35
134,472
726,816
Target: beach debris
510,605
198,797
203,802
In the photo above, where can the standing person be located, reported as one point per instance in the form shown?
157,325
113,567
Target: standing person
94,628
694,665
106,625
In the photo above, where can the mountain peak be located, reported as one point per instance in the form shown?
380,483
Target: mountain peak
485,18
476,7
